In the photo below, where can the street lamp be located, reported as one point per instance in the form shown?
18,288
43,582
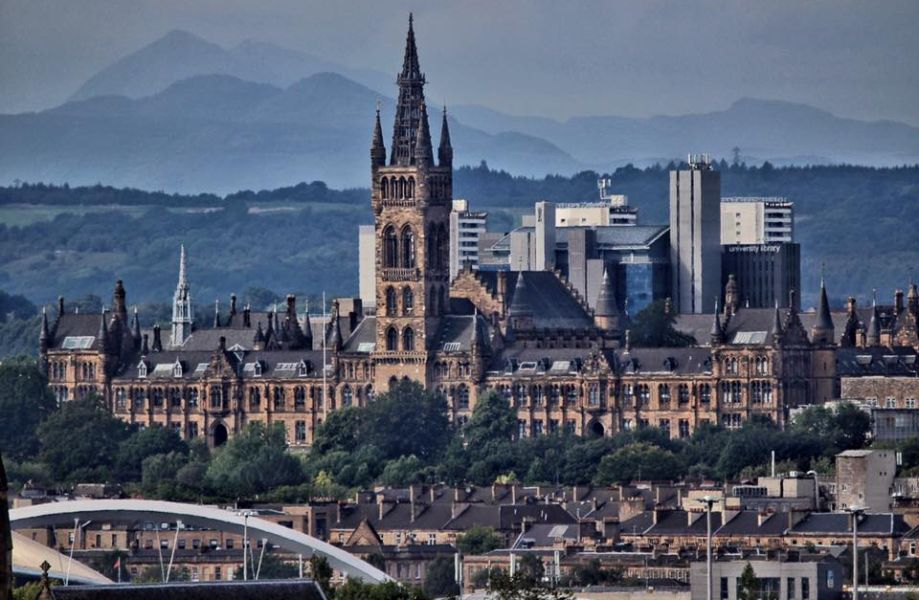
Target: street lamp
856,512
708,501
245,514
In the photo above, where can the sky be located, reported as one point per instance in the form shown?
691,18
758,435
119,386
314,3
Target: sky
856,58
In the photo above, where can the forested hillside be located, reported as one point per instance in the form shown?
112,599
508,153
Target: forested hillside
860,222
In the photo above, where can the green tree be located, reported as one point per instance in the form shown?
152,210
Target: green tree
493,420
81,440
653,327
403,471
143,444
160,475
407,420
341,430
479,539
520,586
353,589
321,572
439,580
638,461
845,428
24,402
254,461
748,585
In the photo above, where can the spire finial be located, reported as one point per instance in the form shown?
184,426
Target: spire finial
182,277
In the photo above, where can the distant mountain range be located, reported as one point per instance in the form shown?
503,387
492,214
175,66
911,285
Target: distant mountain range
183,114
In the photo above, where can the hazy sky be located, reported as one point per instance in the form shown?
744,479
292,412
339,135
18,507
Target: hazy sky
550,57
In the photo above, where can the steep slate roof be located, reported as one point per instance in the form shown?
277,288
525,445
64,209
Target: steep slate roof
839,523
290,589
552,304
678,361
455,333
543,535
677,521
746,522
878,361
75,325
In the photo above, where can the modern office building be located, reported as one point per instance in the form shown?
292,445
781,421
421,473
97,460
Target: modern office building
695,236
753,220
612,209
466,227
787,577
864,478
761,274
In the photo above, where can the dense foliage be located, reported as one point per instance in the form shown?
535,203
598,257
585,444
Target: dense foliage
855,220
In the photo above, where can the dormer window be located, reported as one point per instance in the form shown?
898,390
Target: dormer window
142,369
258,368
177,369
303,369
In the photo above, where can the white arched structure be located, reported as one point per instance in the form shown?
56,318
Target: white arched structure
210,517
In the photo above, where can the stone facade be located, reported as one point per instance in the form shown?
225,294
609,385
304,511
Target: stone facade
529,336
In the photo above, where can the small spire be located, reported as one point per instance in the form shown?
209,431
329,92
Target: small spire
445,152
520,303
423,152
606,299
217,313
717,332
307,328
335,337
103,331
135,326
776,322
259,338
377,147
44,337
183,280
873,337
824,320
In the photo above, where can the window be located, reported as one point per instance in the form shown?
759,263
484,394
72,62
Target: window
663,392
347,396
408,301
390,247
408,339
593,394
683,393
408,248
684,428
790,588
391,305
805,588
392,339
664,425
724,588
462,395
537,427
644,395
192,430
705,393
300,432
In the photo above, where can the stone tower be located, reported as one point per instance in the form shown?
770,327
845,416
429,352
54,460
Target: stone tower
411,199
182,316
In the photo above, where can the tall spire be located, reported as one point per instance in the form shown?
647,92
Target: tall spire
409,105
445,152
307,328
135,326
776,323
183,281
44,337
377,148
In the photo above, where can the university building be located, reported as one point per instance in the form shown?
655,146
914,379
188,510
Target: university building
528,335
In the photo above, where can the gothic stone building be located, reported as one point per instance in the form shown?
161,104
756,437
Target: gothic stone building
527,335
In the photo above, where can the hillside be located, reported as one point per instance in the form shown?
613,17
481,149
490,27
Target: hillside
860,222
217,133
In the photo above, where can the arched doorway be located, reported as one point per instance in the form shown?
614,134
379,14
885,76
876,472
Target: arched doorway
595,429
220,435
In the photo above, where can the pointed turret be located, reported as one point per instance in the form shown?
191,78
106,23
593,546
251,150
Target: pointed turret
335,338
44,336
823,331
157,338
216,313
424,155
873,336
103,332
307,329
849,337
731,296
135,327
258,341
717,333
119,308
377,148
408,106
445,151
182,313
606,311
520,313
776,330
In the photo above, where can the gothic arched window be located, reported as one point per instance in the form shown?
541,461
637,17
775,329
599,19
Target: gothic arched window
384,188
408,248
443,248
408,339
392,339
347,396
410,192
408,301
390,247
390,301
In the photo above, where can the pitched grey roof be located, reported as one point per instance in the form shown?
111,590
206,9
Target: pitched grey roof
679,361
878,361
840,523
553,305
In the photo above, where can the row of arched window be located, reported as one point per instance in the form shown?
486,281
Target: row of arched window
731,365
407,339
399,247
397,188
436,303
57,370
178,398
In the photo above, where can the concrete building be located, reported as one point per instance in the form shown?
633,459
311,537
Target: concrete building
367,265
752,220
466,228
864,478
612,209
788,577
695,249
762,273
